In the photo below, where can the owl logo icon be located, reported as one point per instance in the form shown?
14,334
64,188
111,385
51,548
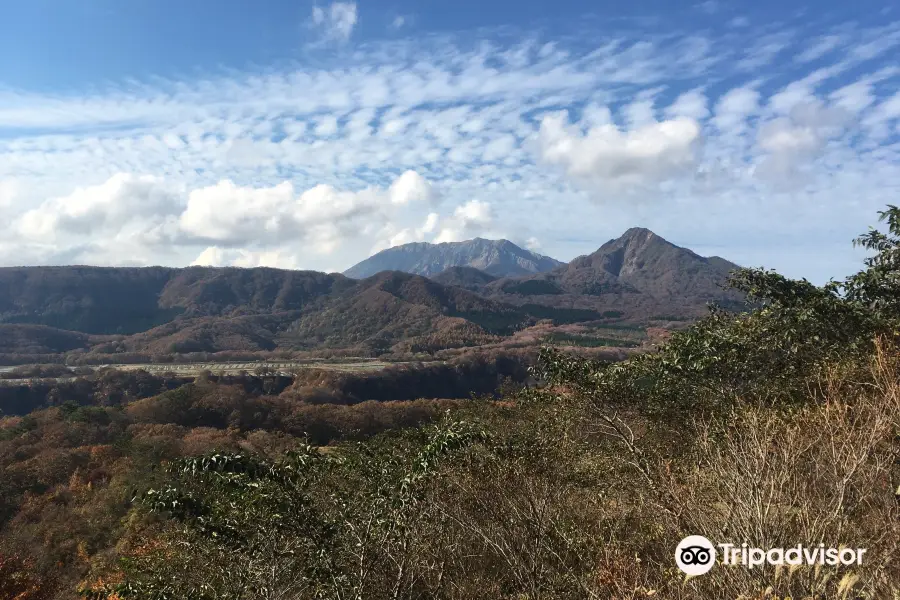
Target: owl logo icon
695,555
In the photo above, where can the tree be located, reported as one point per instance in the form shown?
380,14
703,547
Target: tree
878,286
306,525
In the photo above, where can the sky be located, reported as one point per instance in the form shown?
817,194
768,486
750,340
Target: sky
309,135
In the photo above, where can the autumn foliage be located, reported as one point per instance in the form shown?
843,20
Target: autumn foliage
18,581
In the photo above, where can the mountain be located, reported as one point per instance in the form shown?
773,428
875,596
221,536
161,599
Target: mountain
202,309
501,258
106,300
636,279
643,261
639,272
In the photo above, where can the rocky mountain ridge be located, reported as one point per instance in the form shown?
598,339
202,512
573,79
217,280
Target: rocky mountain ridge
500,258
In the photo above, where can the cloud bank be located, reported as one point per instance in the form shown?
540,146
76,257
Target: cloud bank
767,146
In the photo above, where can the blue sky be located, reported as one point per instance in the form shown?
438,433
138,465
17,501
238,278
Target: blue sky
309,135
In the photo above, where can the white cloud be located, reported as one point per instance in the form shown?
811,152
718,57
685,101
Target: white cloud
472,219
790,141
639,113
392,236
411,187
8,191
337,21
229,214
885,39
763,50
394,126
622,159
245,225
691,104
709,7
882,115
734,108
327,126
821,46
398,22
533,244
794,94
782,137
123,205
215,256
595,115
303,160
430,223
859,95
854,97
500,148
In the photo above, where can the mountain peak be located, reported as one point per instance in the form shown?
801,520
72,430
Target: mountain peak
647,262
637,234
636,240
633,232
500,258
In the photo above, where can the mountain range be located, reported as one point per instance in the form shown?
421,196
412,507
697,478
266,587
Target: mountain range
638,279
494,257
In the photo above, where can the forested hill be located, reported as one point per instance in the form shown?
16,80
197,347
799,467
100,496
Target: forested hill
640,278
105,300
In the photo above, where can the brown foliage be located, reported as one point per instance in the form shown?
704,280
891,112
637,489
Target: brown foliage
19,582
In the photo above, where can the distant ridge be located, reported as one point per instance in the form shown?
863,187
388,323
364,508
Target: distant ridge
500,258
500,288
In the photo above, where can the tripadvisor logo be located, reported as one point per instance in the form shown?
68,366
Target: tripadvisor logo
696,555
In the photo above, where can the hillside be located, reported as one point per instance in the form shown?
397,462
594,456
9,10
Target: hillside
235,291
253,333
393,306
85,299
468,278
102,300
39,339
500,258
637,279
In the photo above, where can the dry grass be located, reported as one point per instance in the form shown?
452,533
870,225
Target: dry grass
599,516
